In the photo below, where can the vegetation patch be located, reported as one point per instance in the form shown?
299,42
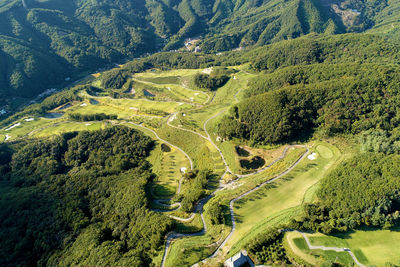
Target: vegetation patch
92,117
165,148
147,93
211,82
268,248
254,163
241,151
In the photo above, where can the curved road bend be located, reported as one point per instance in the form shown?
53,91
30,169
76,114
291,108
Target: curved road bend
165,141
232,202
337,249
199,208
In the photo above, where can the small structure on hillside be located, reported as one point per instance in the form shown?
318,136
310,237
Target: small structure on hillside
239,260
183,170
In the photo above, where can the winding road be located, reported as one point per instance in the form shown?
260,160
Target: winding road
232,202
165,141
171,236
337,249
199,207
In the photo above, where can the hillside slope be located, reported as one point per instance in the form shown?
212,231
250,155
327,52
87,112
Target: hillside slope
44,42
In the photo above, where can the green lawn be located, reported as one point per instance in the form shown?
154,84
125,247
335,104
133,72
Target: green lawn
126,108
371,246
317,257
69,127
196,248
199,149
28,128
189,250
194,226
173,91
166,165
169,73
287,192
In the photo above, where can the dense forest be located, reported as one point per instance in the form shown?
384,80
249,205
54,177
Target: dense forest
92,117
46,43
77,199
268,248
211,82
333,99
364,190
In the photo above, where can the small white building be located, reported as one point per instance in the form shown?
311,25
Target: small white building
239,260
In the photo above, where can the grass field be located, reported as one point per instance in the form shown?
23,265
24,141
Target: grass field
287,192
371,246
223,99
192,252
69,127
126,108
194,226
173,91
170,73
315,257
187,251
203,154
27,127
166,165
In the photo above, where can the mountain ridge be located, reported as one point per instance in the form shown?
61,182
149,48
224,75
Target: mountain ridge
45,43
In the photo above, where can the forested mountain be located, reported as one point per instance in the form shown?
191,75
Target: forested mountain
78,199
42,43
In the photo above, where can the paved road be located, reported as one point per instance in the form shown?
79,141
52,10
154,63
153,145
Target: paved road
199,207
232,202
165,141
337,249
